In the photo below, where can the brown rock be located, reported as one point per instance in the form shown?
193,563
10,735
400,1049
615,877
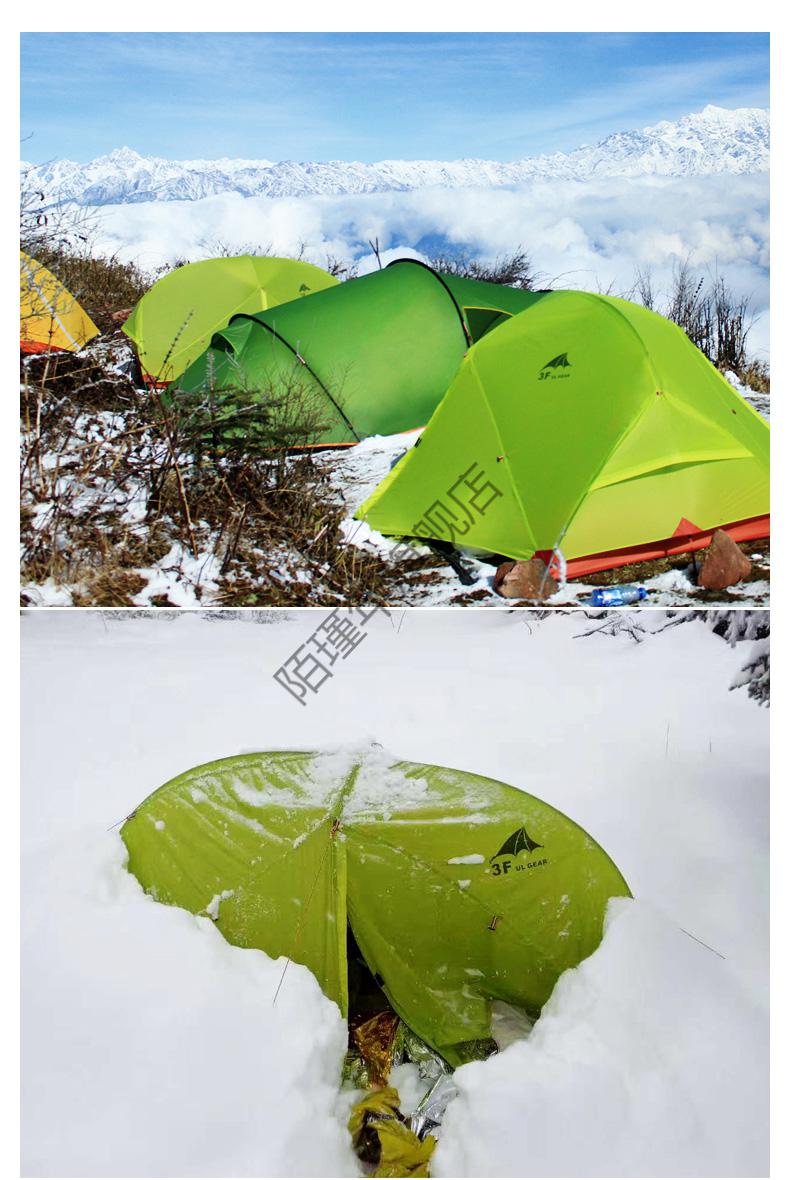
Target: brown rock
501,572
723,563
525,579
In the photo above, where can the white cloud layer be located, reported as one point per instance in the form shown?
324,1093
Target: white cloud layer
591,234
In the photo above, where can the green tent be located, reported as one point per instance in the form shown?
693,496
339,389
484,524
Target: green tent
375,354
586,424
459,890
174,321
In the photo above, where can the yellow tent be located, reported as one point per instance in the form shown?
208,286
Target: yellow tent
49,317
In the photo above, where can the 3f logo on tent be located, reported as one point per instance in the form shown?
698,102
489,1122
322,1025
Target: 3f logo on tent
554,370
507,859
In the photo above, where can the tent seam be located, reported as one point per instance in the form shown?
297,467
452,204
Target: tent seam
600,301
472,360
302,361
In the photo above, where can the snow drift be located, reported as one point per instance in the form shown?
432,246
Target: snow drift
151,1047
637,1067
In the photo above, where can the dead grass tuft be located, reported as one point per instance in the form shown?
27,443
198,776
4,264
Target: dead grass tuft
115,478
110,587
756,375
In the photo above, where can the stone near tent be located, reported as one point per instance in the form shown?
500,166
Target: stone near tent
525,579
723,563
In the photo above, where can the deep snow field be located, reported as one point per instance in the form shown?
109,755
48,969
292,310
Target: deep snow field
151,1047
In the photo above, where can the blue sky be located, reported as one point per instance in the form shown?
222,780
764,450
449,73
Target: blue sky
369,96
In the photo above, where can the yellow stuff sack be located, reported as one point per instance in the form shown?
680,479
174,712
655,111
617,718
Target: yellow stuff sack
382,1139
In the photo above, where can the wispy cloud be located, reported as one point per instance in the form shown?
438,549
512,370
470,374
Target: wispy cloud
370,96
635,90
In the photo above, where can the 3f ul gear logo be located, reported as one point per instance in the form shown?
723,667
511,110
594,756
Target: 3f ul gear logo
553,370
519,842
507,858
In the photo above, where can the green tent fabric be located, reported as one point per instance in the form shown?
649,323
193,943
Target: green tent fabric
374,355
485,305
459,890
173,322
588,424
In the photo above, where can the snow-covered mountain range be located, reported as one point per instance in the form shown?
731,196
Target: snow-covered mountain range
711,141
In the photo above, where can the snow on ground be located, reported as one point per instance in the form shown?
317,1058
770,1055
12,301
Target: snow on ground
761,402
186,580
629,1072
150,1047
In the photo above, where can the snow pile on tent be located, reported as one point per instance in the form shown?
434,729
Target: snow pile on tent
458,890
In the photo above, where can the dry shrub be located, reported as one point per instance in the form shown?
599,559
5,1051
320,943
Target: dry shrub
103,286
110,587
713,317
757,376
510,270
114,477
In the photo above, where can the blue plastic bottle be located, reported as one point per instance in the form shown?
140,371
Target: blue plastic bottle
618,595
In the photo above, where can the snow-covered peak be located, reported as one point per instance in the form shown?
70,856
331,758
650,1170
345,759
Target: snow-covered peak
713,140
124,156
729,117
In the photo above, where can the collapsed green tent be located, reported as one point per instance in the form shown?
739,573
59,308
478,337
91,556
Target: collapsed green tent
173,322
587,425
459,890
375,354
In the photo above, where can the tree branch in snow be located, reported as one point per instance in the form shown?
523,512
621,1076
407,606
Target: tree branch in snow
755,674
617,624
